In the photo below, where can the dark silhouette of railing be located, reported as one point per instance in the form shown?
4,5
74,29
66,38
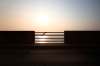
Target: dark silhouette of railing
49,37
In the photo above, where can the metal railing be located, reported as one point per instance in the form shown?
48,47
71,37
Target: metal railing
49,37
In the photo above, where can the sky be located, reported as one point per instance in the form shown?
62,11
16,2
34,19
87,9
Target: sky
49,15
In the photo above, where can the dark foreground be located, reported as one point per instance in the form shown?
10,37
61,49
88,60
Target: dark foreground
49,56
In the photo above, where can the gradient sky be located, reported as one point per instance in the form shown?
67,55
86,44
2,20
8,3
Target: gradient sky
62,15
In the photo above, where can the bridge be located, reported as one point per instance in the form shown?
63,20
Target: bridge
49,38
17,48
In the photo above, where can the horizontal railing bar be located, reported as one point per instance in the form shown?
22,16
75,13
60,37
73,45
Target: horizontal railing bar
49,38
49,32
49,41
49,35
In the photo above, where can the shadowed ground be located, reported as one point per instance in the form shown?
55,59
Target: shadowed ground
48,55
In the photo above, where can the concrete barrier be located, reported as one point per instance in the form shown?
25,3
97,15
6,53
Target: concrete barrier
17,38
89,38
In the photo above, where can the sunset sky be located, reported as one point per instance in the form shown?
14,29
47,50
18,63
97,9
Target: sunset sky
49,15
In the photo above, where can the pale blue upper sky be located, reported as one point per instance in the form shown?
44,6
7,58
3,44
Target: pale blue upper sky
66,14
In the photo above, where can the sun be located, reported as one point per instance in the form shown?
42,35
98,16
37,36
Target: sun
42,20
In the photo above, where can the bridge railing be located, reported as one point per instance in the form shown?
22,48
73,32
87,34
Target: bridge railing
49,37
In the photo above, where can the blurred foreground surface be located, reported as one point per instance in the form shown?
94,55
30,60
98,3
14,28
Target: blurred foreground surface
48,56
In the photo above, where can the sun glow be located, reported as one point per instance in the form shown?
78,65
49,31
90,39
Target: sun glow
42,20
42,40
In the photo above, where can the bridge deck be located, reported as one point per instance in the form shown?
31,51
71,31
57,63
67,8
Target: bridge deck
48,56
